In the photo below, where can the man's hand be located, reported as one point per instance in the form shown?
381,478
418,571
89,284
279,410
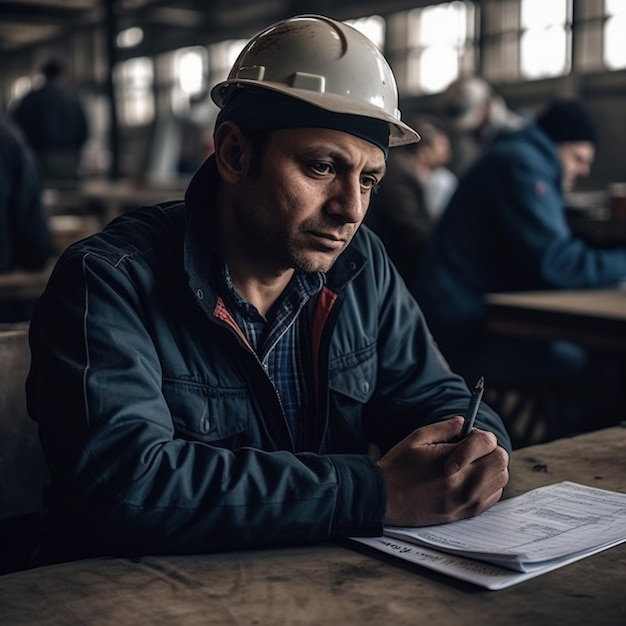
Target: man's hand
432,477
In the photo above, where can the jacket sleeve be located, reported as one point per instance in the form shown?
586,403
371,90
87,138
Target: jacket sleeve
530,210
121,481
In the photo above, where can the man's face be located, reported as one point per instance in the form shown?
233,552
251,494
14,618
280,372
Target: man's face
309,198
576,159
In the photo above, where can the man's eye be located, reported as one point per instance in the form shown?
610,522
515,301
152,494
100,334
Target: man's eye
369,183
321,168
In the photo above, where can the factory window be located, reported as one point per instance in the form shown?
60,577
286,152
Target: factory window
545,38
134,85
429,47
614,34
372,27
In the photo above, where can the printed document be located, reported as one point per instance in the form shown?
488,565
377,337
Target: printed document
518,538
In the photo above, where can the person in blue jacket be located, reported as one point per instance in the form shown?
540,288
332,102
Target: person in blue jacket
506,229
226,365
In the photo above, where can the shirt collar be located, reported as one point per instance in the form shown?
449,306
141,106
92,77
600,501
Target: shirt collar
302,286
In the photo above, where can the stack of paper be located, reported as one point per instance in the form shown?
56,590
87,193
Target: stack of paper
516,539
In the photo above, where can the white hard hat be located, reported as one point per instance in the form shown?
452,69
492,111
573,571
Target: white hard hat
325,63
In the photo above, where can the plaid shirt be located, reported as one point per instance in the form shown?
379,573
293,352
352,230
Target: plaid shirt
282,341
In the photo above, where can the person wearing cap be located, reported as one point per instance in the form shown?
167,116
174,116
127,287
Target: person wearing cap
476,113
505,229
228,364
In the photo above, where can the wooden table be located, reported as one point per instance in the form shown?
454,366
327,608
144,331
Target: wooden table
335,584
112,198
595,318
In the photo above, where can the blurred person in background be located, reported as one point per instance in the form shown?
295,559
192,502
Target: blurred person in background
400,212
25,238
476,114
55,123
506,229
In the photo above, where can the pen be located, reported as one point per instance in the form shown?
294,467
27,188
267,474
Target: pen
472,407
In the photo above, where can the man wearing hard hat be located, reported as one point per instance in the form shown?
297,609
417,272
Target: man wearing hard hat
227,362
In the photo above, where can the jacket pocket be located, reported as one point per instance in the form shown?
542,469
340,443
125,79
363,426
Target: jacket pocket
354,375
206,413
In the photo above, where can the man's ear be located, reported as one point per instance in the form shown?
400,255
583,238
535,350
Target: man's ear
232,152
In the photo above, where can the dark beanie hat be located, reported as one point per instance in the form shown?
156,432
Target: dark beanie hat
256,109
567,120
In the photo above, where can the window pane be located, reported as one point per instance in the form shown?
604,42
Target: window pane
222,56
439,66
615,42
184,74
544,53
615,7
442,24
545,38
372,27
189,67
543,13
439,41
134,80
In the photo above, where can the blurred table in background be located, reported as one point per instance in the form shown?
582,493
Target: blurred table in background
107,199
595,318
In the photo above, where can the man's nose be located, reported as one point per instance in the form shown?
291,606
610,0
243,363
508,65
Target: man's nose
348,201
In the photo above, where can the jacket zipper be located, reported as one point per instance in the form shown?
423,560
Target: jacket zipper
221,313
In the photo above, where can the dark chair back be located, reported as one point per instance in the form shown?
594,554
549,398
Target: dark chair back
23,471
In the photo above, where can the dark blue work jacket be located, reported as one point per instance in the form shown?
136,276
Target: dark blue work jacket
163,431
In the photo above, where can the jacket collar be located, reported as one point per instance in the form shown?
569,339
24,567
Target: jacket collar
199,209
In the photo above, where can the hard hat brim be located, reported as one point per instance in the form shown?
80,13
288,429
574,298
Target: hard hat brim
399,132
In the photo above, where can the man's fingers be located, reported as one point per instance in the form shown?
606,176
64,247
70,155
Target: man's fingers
478,444
442,432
